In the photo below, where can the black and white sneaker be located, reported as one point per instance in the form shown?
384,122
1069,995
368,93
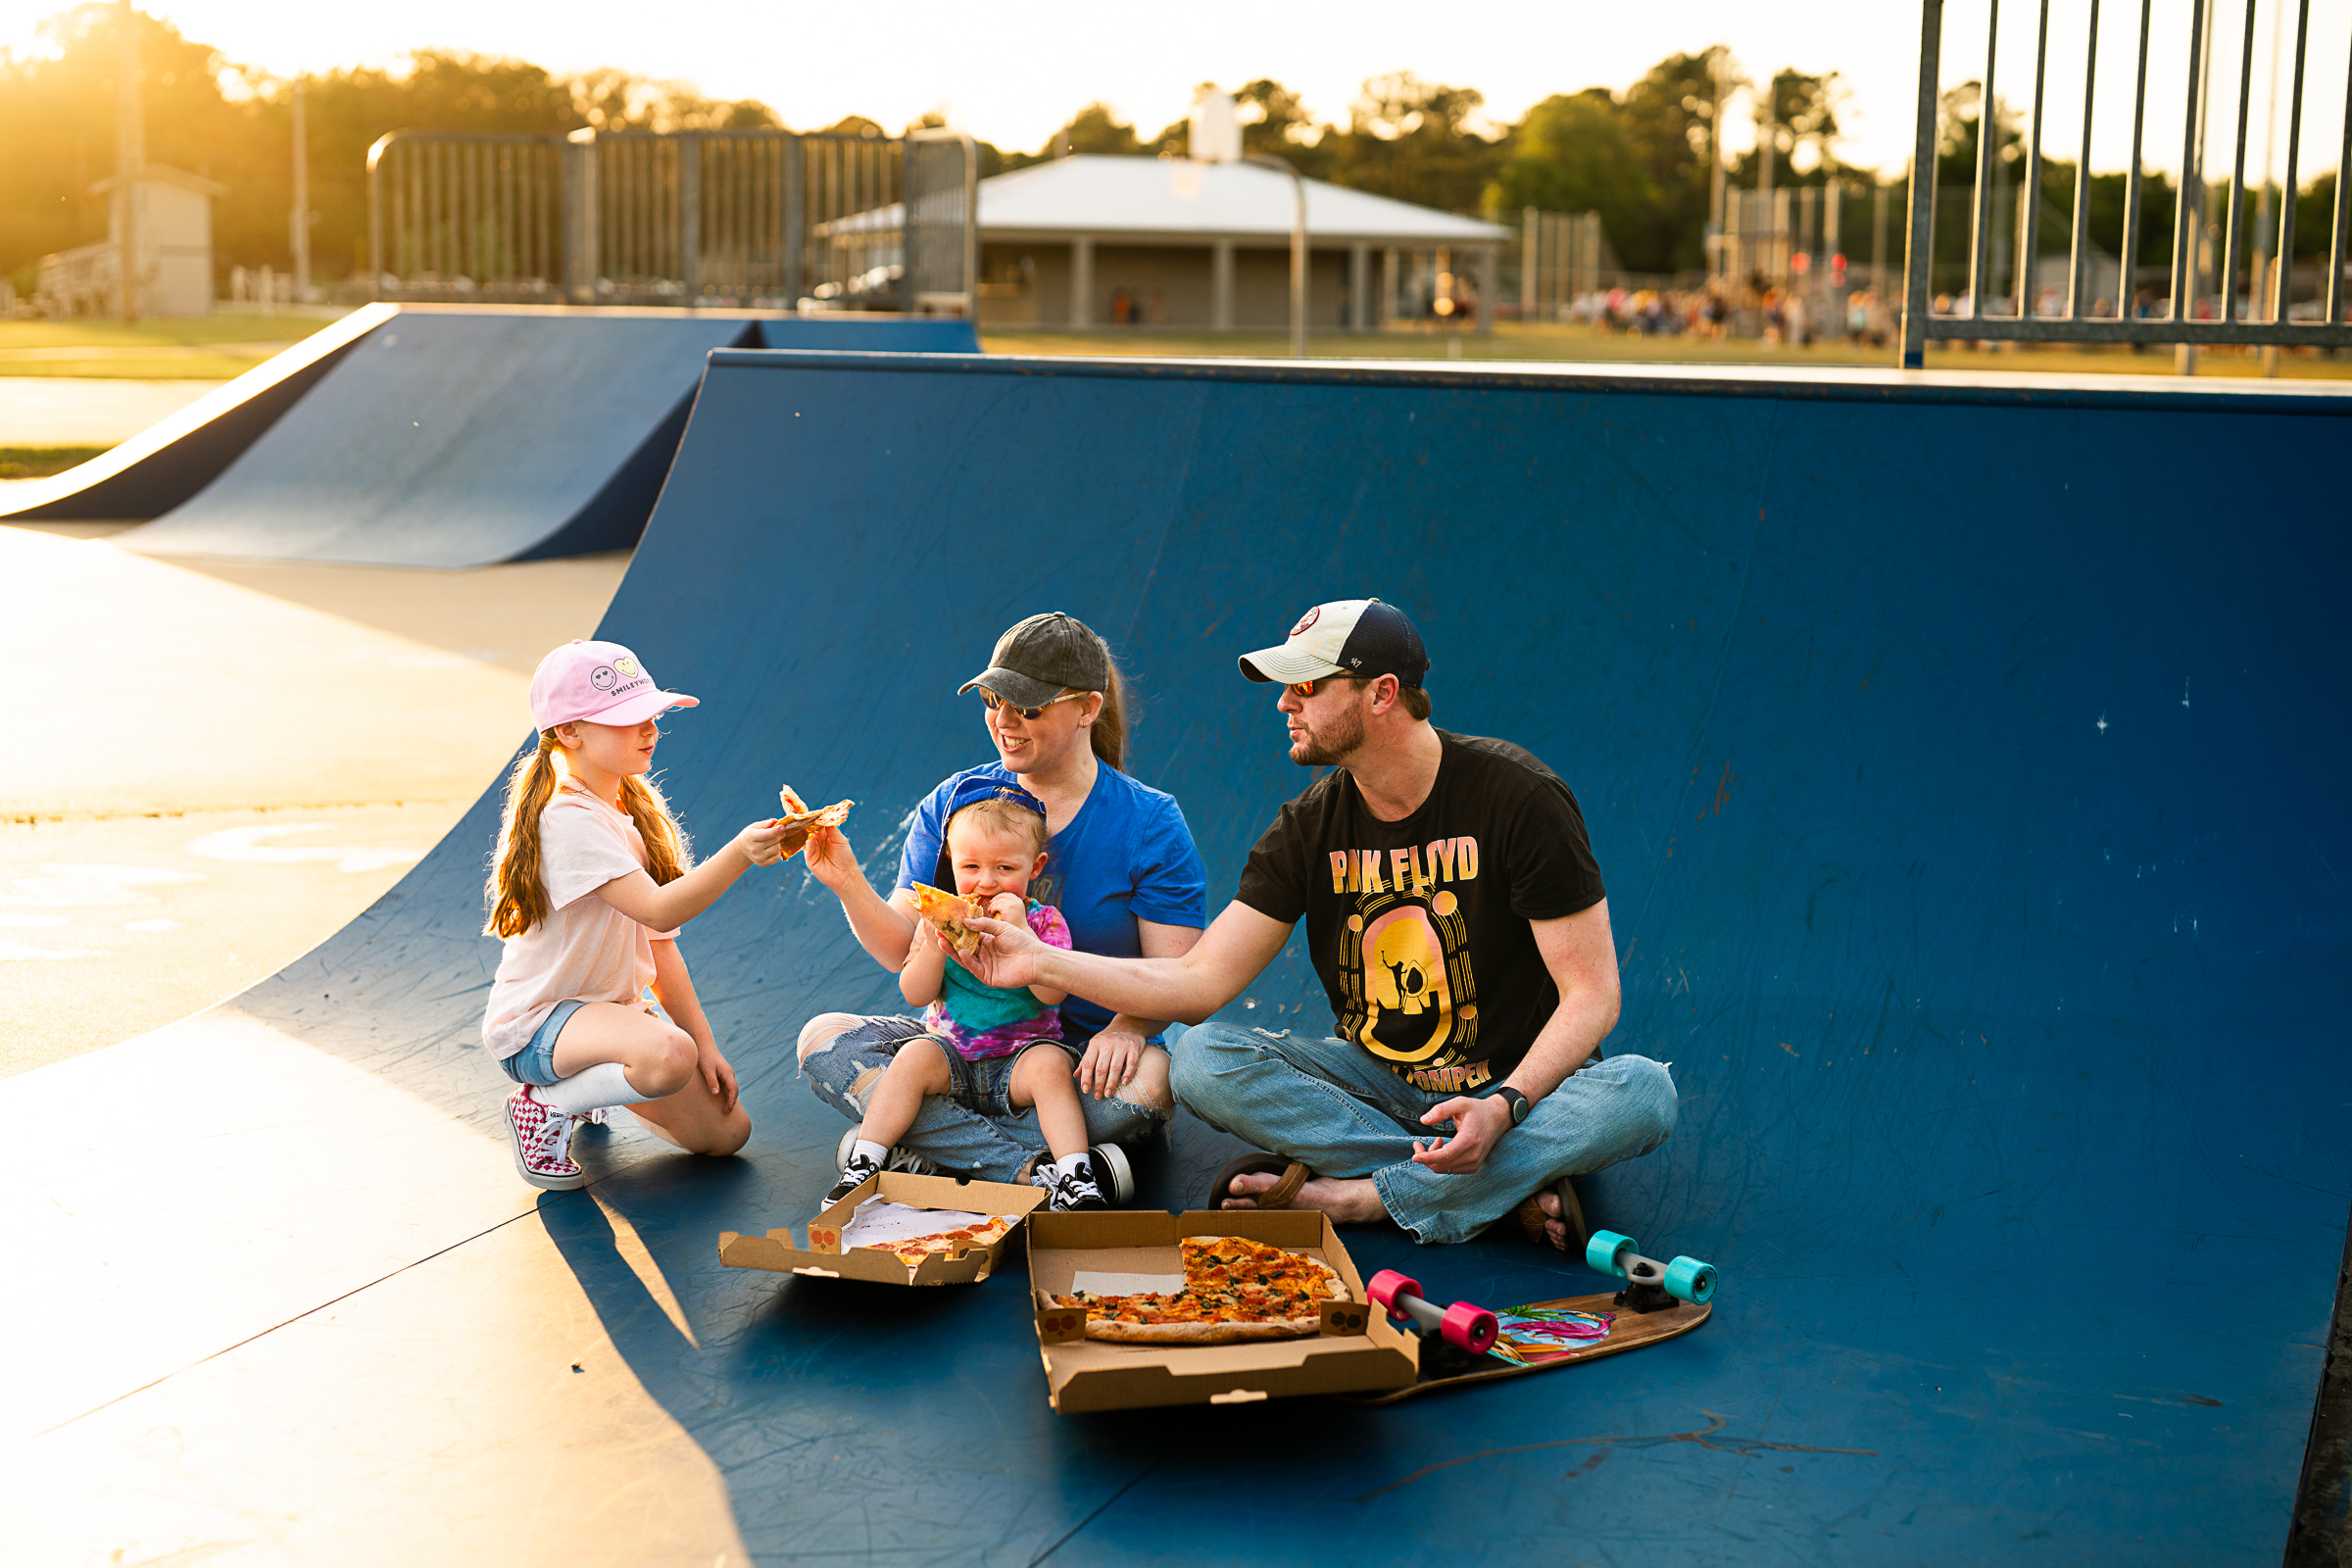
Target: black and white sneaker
1113,1174
900,1159
1106,1164
861,1169
1071,1189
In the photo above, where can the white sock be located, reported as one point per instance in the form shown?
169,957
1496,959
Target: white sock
1070,1164
590,1089
865,1150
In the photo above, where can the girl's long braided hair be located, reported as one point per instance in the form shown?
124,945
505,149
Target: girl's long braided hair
517,893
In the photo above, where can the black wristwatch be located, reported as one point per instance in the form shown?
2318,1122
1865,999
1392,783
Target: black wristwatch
1520,1103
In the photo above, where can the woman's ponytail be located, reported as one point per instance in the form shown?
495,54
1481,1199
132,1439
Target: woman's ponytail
1108,732
517,895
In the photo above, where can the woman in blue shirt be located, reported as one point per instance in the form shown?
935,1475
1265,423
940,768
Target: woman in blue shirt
1122,869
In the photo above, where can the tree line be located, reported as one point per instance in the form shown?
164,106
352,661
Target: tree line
1641,157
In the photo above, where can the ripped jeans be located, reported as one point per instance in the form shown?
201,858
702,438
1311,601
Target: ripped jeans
1339,1111
844,1070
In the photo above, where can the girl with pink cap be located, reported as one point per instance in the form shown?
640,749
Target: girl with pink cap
591,881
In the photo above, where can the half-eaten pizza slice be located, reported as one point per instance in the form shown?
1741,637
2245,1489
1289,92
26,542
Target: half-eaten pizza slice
794,815
948,913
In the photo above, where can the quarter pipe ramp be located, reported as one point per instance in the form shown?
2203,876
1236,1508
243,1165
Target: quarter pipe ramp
442,436
1962,764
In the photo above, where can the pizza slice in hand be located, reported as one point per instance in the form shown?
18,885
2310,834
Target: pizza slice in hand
946,913
798,821
797,815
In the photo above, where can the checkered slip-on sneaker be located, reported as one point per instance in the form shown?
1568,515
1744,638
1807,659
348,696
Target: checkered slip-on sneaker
542,1139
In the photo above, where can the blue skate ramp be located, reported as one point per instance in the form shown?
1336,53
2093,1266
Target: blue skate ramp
461,436
1962,758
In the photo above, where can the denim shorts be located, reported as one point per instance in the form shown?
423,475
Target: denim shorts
985,1086
535,1063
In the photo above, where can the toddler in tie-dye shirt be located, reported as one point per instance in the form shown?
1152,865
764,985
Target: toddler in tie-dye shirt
996,1050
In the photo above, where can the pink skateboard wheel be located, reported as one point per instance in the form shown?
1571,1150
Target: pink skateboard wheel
1387,1287
1473,1328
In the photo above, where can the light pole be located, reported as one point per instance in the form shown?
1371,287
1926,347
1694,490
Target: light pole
299,223
130,156
1214,137
1297,249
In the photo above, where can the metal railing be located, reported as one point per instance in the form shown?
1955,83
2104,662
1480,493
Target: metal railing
1562,256
2265,316
458,215
735,218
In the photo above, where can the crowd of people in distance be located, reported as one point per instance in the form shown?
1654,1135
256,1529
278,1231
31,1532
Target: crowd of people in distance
1794,316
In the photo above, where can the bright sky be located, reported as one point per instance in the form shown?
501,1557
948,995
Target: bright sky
1012,76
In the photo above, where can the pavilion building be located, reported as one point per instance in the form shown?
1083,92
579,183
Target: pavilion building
1092,242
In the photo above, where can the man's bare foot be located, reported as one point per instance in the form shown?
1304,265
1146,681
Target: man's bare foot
1556,1228
1349,1202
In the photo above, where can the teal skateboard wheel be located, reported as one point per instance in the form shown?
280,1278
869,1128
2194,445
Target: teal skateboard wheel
1689,1280
1605,1247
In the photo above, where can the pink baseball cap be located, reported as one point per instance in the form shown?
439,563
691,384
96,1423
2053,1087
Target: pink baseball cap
600,682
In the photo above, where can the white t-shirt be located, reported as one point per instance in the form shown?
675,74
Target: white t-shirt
585,950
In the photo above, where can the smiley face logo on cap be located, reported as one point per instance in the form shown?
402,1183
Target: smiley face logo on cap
602,677
628,667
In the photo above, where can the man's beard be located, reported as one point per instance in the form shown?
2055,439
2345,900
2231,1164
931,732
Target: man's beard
1329,748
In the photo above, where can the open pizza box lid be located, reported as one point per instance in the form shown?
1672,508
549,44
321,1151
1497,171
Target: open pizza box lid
1358,1349
825,1258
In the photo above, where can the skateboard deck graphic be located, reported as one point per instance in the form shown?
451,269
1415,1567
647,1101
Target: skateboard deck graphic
1543,1335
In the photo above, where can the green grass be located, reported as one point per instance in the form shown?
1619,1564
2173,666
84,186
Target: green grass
215,348
38,463
1513,341
180,348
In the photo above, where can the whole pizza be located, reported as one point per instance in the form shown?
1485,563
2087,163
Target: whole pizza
1234,1290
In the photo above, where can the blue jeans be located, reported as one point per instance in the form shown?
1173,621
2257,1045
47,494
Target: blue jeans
993,1149
1333,1108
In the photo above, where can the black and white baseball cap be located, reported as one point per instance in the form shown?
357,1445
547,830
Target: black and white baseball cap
1344,637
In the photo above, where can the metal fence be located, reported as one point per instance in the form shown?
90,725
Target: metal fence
2259,316
735,218
1562,256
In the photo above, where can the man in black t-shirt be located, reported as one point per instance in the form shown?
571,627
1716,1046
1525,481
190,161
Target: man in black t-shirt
1458,922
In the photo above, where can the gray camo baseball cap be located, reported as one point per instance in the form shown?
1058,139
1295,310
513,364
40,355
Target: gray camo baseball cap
1043,656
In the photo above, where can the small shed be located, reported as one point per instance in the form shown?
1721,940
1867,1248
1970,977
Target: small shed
172,217
1089,241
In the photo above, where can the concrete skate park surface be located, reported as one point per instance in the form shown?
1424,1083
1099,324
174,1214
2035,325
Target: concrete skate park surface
1962,763
214,768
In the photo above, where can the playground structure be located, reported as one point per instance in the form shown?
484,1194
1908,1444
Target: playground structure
1967,831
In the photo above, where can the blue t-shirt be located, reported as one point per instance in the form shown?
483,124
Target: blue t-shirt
1125,856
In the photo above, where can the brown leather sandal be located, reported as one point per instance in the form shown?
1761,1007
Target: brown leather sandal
1293,1176
1531,1217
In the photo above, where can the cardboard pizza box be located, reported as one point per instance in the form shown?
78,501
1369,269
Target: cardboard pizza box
1358,1349
824,1257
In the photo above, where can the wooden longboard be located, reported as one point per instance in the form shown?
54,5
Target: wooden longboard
1445,1367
